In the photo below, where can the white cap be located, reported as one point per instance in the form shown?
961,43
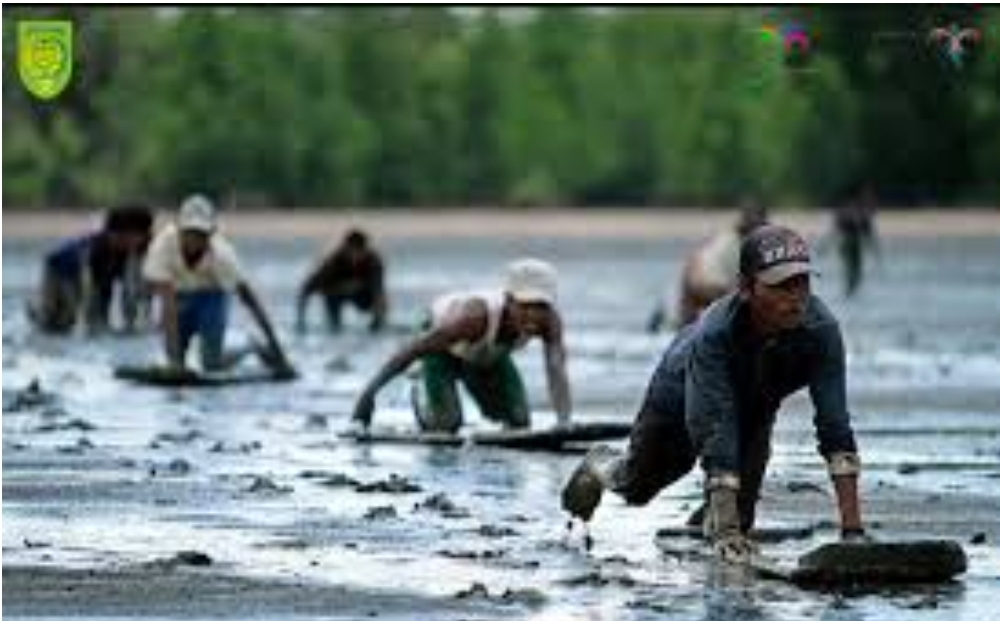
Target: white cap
197,214
531,280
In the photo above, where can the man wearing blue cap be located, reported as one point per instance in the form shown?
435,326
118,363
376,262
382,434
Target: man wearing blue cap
716,392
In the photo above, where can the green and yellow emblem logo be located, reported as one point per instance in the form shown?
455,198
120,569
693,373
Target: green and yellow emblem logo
45,56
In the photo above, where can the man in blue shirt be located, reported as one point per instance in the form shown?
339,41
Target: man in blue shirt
81,275
716,392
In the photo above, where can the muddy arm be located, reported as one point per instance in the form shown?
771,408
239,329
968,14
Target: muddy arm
555,368
250,299
168,311
467,327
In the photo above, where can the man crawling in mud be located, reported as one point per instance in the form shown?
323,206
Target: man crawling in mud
469,340
716,392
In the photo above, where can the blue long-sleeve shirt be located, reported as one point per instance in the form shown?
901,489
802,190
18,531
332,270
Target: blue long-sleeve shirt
725,383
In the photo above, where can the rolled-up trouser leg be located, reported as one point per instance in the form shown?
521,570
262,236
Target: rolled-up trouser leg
659,453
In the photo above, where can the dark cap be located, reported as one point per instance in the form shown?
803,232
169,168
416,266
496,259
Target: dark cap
774,253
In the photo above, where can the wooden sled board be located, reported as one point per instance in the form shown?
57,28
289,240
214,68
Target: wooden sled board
764,533
856,565
552,439
389,435
154,375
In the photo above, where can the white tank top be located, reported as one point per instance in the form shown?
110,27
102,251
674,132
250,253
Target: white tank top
447,307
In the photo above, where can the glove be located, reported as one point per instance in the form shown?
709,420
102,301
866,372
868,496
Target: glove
843,464
722,521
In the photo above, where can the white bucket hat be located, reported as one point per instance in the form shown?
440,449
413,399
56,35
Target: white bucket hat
531,280
197,214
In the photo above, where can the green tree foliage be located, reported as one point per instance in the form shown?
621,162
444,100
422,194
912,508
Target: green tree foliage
330,106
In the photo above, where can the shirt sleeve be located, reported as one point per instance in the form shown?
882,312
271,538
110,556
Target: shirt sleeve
710,404
227,267
828,390
156,266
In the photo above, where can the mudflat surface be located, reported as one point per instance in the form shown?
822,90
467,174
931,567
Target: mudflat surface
105,482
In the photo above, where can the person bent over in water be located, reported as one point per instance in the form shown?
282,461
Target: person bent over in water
711,270
715,395
351,273
80,276
469,340
193,270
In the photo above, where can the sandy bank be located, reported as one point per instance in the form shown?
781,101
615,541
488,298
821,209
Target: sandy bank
484,223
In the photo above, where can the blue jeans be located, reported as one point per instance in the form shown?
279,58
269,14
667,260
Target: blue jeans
203,314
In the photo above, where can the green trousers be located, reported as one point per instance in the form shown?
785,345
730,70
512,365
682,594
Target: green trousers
496,388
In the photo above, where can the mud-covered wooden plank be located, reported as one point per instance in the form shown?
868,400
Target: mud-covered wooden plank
552,439
874,563
170,377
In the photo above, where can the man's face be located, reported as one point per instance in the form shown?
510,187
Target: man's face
781,306
130,242
531,317
194,245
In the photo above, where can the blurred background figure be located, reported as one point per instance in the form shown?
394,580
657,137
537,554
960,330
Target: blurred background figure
81,275
353,272
194,270
711,270
469,339
853,231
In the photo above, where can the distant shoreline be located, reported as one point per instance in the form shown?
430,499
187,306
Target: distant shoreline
480,223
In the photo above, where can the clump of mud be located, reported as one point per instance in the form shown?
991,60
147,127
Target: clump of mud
395,484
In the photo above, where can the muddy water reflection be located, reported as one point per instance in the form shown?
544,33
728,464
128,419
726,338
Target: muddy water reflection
255,477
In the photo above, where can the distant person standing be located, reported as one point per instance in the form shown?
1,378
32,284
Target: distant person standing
854,230
194,270
711,270
81,276
352,273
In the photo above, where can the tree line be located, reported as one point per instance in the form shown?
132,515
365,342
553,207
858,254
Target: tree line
442,106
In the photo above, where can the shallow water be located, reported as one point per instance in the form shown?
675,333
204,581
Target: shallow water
110,474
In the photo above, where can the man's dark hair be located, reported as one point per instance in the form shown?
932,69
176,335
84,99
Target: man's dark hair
356,238
129,218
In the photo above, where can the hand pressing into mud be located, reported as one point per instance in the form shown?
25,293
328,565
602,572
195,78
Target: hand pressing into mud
855,535
363,410
358,430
